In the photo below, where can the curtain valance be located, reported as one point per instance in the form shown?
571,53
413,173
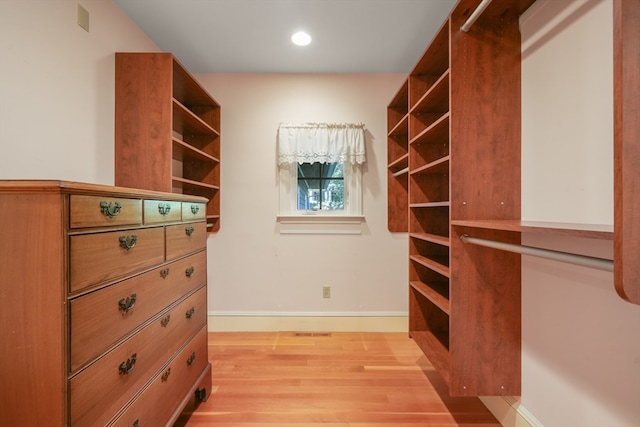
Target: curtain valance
321,142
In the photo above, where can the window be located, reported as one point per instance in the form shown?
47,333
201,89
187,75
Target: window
326,189
320,186
319,169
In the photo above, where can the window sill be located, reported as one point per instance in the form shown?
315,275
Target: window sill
320,224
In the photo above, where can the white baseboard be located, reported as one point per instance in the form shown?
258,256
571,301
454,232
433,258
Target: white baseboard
509,412
341,322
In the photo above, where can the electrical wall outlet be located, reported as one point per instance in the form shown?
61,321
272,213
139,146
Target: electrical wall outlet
326,292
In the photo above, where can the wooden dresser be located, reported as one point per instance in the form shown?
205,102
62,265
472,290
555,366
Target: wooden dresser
103,304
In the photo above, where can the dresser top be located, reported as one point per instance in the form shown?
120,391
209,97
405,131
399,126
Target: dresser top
70,187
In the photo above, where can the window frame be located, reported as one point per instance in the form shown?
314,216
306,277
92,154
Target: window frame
288,183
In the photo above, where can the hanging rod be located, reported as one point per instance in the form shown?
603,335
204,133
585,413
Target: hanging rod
400,172
583,260
476,13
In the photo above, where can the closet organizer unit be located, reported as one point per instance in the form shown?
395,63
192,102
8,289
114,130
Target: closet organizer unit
104,304
167,130
463,125
398,161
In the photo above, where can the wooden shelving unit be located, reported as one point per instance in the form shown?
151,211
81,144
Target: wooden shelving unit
398,160
167,130
464,179
464,163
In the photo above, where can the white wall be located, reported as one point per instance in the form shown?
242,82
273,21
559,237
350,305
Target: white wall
253,269
581,342
57,88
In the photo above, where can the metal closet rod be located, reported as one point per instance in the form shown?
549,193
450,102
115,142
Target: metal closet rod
583,260
476,13
400,172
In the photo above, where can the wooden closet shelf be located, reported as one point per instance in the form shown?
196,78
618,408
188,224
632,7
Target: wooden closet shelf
436,292
433,238
592,231
437,264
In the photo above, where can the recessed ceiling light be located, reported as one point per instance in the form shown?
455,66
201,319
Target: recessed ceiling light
301,38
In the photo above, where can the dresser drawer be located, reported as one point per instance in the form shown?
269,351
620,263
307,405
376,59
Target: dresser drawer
101,318
98,257
183,239
99,391
193,211
159,211
98,211
161,399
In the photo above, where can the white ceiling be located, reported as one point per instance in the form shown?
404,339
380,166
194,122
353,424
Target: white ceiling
253,36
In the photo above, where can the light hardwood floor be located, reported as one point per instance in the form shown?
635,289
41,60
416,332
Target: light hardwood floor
334,380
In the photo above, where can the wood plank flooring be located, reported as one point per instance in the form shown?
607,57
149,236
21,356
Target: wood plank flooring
334,380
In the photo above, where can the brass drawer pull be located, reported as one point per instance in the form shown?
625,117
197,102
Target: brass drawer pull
190,312
165,376
127,367
164,322
128,242
127,304
110,209
164,273
191,358
189,230
189,271
195,209
164,208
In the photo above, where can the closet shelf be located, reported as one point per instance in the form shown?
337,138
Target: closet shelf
436,133
592,231
436,292
435,98
433,238
183,151
430,204
401,128
440,166
435,263
400,163
183,183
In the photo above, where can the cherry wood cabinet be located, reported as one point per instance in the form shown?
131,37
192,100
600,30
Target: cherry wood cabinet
167,130
463,126
104,309
462,132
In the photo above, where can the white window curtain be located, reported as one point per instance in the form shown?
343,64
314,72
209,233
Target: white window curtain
321,143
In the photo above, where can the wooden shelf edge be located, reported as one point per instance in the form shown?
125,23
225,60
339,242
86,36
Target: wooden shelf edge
431,264
192,83
191,183
432,295
434,87
404,121
592,231
433,238
432,167
194,118
188,147
429,129
431,205
399,163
